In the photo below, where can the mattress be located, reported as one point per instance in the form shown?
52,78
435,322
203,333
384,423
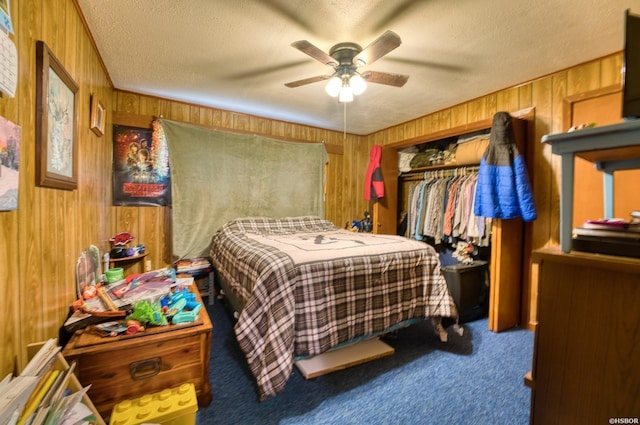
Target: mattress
308,286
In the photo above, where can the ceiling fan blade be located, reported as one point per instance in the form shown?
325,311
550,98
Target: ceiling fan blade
260,72
378,48
397,80
305,81
305,47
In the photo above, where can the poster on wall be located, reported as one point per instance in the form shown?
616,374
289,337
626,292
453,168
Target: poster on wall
5,16
10,135
141,174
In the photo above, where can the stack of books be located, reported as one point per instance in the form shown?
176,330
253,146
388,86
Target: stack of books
609,236
188,265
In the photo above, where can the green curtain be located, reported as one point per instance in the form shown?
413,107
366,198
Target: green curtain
218,176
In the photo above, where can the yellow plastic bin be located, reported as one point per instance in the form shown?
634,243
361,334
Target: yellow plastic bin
175,406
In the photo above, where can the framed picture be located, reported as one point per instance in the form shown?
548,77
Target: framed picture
56,112
97,116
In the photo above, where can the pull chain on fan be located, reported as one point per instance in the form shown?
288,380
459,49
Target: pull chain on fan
344,134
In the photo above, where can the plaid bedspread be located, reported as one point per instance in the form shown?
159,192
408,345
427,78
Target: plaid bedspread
308,286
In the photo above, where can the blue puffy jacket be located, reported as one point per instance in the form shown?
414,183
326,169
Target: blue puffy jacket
503,189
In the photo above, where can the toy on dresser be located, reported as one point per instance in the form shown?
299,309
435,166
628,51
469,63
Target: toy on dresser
119,247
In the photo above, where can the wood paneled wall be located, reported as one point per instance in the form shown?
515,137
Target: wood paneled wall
40,242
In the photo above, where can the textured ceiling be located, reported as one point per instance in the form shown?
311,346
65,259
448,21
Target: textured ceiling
236,55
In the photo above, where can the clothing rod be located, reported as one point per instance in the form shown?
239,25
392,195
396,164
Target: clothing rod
444,172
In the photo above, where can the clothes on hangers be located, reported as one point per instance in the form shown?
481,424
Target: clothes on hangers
441,208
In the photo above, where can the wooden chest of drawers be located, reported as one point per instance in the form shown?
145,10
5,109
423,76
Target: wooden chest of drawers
126,367
586,348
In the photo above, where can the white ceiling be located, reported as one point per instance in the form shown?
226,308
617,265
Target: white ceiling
236,54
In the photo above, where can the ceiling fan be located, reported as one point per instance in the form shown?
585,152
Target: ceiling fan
345,58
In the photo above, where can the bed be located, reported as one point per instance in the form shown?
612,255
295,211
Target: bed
305,286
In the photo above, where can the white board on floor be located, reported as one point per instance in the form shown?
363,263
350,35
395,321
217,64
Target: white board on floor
344,357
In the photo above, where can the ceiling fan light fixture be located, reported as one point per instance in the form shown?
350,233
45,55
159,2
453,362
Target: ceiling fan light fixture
346,94
345,59
334,85
358,84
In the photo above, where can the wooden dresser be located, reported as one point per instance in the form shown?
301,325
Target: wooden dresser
586,359
126,367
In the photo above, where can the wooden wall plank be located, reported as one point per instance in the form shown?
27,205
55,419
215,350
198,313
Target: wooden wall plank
583,78
476,111
610,71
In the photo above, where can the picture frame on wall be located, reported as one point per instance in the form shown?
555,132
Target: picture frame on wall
97,116
56,118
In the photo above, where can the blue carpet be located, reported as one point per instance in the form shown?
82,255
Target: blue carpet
475,379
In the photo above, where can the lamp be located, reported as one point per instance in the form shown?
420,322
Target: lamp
333,86
346,94
358,84
344,85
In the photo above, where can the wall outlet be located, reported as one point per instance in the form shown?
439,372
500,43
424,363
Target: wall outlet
147,266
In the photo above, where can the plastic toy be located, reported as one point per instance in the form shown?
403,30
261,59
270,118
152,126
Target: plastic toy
181,307
366,225
355,226
133,327
187,316
121,238
174,406
148,314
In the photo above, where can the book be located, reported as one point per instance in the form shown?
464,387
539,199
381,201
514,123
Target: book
184,281
38,395
610,246
59,410
15,397
607,233
43,359
124,295
192,264
612,224
57,389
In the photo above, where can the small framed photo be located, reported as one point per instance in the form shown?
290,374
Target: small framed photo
56,118
97,116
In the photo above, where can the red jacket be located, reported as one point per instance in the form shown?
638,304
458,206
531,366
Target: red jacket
373,184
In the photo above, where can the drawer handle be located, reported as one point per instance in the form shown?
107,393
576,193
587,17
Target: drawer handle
145,368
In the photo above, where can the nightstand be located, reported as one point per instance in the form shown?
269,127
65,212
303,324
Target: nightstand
203,276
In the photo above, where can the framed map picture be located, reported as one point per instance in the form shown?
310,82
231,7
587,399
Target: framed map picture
56,106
